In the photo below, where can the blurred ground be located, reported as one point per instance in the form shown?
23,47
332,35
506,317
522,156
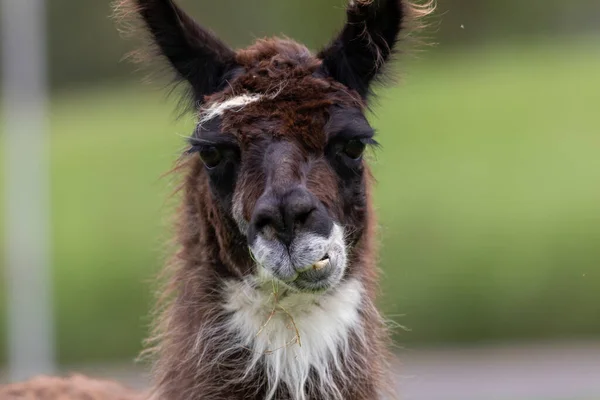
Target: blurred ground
548,371
544,371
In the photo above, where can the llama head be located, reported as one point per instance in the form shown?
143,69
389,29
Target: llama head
281,133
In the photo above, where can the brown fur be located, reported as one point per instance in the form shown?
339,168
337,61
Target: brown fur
193,356
194,284
208,237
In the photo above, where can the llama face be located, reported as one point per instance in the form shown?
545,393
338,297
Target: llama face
281,134
282,147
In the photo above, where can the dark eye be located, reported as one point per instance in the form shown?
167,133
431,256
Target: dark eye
354,148
211,156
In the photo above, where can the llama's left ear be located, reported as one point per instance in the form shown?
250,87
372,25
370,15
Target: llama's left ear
365,44
197,56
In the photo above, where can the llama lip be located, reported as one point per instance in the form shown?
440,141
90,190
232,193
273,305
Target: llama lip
311,263
322,263
319,277
317,280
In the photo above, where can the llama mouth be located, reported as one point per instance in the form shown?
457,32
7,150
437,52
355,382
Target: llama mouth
316,278
322,263
311,263
321,276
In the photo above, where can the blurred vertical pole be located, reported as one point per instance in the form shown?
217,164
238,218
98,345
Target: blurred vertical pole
26,147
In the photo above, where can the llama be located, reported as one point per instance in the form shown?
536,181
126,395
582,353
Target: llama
271,293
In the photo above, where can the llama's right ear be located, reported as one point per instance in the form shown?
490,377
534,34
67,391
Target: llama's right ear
196,55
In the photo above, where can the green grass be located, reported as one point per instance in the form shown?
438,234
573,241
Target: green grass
488,194
488,185
109,205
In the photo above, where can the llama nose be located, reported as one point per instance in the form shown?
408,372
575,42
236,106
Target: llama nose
283,216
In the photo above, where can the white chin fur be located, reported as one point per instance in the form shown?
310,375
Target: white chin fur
324,323
276,261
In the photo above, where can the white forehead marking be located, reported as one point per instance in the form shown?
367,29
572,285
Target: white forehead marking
234,103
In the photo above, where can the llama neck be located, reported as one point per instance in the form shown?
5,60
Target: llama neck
229,335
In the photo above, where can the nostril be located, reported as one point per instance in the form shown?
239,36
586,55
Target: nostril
298,207
267,220
302,216
261,222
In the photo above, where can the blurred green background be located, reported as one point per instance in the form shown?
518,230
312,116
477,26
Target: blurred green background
488,179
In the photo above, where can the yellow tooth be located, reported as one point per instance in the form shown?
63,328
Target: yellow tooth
321,264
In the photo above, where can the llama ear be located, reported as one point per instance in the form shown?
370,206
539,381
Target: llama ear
366,42
196,55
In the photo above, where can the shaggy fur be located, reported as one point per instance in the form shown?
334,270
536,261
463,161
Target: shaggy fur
281,191
325,325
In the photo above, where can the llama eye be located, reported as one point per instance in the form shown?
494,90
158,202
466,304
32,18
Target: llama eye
354,149
211,156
